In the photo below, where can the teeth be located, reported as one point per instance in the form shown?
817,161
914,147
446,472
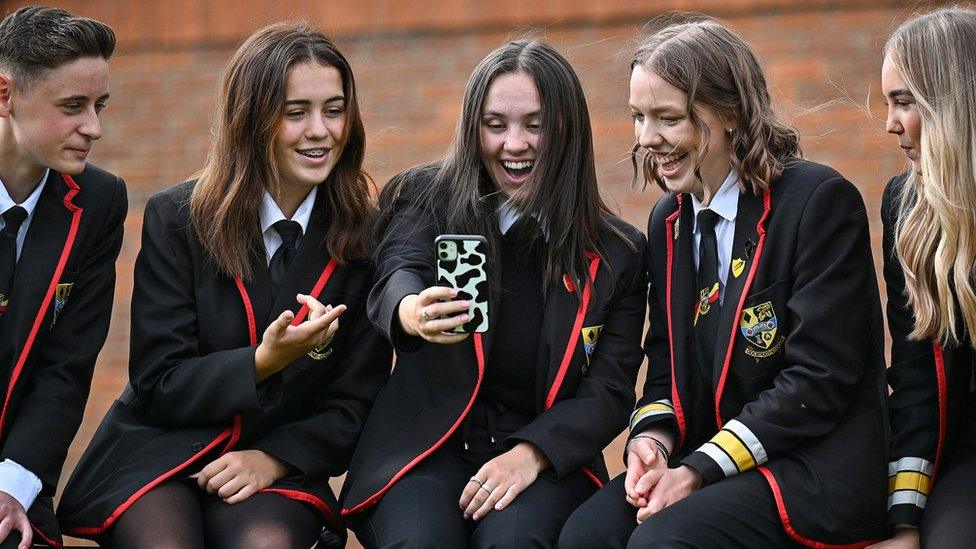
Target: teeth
314,153
673,157
518,165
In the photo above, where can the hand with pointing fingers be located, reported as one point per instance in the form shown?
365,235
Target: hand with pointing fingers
283,343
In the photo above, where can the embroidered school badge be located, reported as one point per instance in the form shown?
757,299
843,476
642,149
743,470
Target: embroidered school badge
706,297
61,292
321,352
4,302
738,266
590,335
758,325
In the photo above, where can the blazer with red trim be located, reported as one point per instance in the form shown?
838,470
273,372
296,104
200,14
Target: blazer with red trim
930,384
56,324
192,393
582,401
797,388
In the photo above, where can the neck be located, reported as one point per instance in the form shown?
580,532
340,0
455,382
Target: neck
290,198
19,174
712,187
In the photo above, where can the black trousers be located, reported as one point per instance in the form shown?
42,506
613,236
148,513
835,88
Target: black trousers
735,512
950,512
421,510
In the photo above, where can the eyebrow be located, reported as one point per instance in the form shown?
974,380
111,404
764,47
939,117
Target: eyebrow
665,107
308,102
495,114
896,93
80,97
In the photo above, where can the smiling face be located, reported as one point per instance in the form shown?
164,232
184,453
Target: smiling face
511,122
662,125
904,120
53,123
310,137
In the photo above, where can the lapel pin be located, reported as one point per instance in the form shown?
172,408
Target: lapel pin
750,248
737,267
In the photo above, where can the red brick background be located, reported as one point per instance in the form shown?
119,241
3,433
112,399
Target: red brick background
412,59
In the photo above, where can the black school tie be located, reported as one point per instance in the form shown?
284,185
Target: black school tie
289,231
13,218
707,307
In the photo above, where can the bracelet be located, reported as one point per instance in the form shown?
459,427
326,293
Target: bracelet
660,445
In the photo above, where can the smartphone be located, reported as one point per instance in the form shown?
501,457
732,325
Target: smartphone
462,262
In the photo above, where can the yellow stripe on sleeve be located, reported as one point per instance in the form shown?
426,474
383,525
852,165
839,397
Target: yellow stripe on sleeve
736,449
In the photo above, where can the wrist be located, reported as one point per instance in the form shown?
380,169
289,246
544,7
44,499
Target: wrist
405,316
693,476
534,455
265,363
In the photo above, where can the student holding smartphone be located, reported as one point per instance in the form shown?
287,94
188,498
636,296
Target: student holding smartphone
493,438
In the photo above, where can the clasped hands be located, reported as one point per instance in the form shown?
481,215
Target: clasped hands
649,484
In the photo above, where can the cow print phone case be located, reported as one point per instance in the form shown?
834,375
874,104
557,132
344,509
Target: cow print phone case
461,264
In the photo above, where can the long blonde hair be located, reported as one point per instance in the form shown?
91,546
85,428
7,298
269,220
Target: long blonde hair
935,237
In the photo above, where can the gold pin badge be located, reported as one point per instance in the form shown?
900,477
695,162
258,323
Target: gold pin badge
738,266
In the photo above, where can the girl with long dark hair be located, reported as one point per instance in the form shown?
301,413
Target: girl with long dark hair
246,390
493,439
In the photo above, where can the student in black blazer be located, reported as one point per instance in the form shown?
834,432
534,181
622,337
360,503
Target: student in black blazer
495,438
242,401
61,233
929,257
762,422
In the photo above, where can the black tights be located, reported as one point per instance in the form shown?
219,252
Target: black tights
177,514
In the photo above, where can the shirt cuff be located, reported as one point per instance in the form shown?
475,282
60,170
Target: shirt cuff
21,484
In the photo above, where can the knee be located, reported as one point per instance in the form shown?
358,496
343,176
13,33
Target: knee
581,531
268,536
672,533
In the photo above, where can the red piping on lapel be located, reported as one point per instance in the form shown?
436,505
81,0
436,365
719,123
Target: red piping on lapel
316,290
73,189
679,413
940,375
252,328
738,310
311,499
592,476
480,356
784,517
575,334
93,530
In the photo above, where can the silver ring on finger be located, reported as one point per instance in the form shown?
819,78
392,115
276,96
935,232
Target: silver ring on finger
424,315
472,479
487,489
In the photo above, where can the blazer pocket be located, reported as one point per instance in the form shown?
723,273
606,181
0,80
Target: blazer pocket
62,291
761,333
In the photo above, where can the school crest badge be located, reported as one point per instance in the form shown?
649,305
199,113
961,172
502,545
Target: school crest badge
706,297
61,292
321,352
758,325
4,303
590,336
737,267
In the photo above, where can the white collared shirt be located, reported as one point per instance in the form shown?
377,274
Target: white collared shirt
270,214
508,216
30,205
16,480
726,204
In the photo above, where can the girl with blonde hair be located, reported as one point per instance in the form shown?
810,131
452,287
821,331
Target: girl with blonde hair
929,81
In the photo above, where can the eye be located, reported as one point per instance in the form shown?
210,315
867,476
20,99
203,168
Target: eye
100,106
294,114
670,120
72,107
637,117
335,112
534,127
495,126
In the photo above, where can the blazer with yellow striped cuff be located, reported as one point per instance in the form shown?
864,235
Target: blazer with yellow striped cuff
929,385
797,388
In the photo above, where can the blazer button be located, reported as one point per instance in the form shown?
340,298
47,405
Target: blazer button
197,446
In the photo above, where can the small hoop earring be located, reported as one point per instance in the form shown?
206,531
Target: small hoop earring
728,131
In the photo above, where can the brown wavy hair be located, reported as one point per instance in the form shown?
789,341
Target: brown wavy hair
226,200
715,67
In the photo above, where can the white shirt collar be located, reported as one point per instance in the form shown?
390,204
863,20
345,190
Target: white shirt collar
6,202
725,202
508,215
270,213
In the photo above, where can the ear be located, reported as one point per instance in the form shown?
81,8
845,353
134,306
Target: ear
6,92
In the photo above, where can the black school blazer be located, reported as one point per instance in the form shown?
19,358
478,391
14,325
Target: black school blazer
930,384
192,394
798,380
584,392
56,324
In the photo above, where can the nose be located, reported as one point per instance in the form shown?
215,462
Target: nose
648,136
316,128
892,123
516,141
92,128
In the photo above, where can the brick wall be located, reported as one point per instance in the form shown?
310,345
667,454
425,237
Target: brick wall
412,59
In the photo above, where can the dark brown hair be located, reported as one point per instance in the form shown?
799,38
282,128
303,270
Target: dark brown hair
36,39
563,187
225,204
715,67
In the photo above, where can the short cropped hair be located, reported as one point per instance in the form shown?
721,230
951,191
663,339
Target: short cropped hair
36,39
